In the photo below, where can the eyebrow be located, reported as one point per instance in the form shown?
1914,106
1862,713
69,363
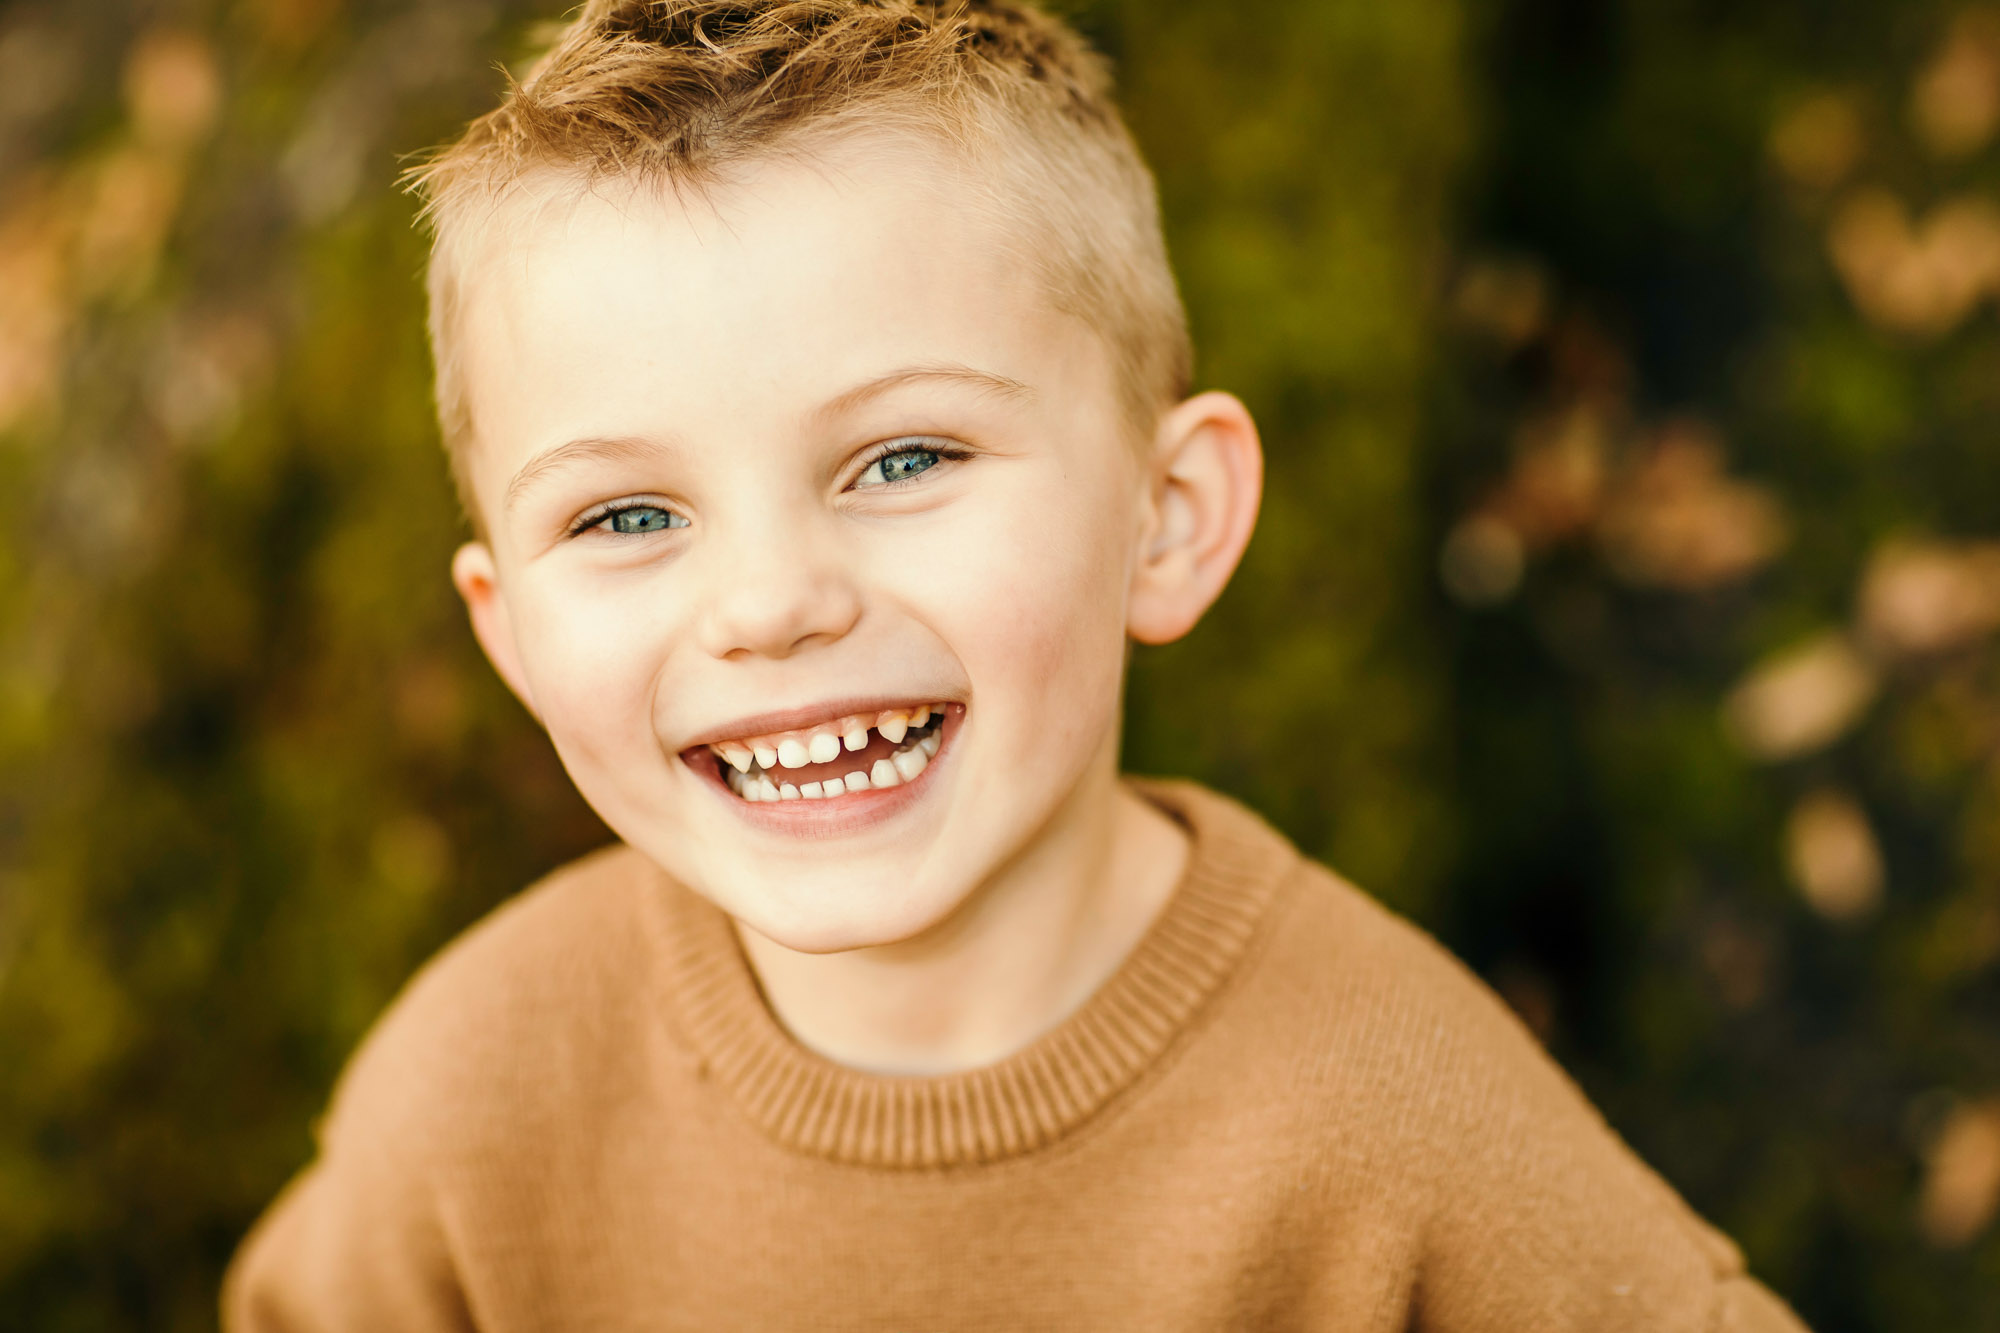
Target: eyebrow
943,372
621,448
591,448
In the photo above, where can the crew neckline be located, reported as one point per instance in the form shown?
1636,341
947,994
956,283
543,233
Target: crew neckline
1026,1101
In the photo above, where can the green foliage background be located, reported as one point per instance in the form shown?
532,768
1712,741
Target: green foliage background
1592,388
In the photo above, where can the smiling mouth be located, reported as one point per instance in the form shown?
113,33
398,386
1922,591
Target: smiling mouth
842,757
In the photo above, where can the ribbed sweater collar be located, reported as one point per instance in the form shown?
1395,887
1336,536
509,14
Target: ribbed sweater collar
1236,865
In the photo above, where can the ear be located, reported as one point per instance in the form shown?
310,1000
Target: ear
1207,476
477,579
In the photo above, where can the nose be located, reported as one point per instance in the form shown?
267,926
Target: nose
775,597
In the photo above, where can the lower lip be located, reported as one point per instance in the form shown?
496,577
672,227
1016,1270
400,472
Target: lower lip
835,816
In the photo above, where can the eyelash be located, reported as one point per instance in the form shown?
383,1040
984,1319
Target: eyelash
911,444
596,516
906,444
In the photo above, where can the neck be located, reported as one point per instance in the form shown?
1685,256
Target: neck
1025,950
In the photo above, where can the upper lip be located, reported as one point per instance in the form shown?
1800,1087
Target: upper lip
807,715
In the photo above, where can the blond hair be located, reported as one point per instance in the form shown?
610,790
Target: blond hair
676,91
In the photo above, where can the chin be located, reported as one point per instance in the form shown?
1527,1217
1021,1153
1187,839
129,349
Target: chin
839,913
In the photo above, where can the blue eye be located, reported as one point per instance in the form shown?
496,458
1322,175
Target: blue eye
900,465
642,519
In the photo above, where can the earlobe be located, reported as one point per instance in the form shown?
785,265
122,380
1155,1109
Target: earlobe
477,579
1207,481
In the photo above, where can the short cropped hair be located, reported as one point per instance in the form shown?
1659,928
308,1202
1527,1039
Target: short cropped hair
674,92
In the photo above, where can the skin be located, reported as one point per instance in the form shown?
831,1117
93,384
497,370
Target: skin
747,355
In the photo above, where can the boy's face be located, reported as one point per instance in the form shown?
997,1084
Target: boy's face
769,467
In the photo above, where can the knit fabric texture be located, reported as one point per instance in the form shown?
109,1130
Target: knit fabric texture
1287,1109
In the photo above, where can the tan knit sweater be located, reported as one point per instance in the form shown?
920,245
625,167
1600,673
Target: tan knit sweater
1287,1110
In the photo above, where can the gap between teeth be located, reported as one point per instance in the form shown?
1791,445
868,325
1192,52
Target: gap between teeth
824,744
750,767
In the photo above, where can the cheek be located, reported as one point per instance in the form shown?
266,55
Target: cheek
591,661
1040,601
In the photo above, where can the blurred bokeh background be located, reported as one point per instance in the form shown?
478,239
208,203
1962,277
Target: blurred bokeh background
1624,609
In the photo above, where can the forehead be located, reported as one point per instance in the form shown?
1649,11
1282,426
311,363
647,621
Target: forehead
626,308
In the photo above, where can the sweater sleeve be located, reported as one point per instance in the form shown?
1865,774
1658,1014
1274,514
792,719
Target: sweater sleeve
1744,1305
1541,1217
359,1239
1558,1254
1575,1234
450,1084
351,1245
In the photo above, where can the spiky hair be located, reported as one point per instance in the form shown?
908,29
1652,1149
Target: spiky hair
677,91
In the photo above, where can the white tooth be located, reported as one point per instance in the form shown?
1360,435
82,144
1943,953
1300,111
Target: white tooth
857,736
791,753
833,787
748,790
884,774
856,781
825,746
910,762
734,779
766,757
788,792
893,726
738,757
767,790
929,744
812,791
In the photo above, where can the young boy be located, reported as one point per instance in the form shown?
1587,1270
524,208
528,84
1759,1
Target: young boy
818,389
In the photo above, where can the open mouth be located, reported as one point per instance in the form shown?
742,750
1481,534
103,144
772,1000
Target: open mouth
841,757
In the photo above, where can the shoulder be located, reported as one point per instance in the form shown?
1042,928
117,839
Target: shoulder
1341,989
1395,1074
1443,1010
507,1015
1446,1063
574,924
1527,1200
1369,982
571,933
1334,965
